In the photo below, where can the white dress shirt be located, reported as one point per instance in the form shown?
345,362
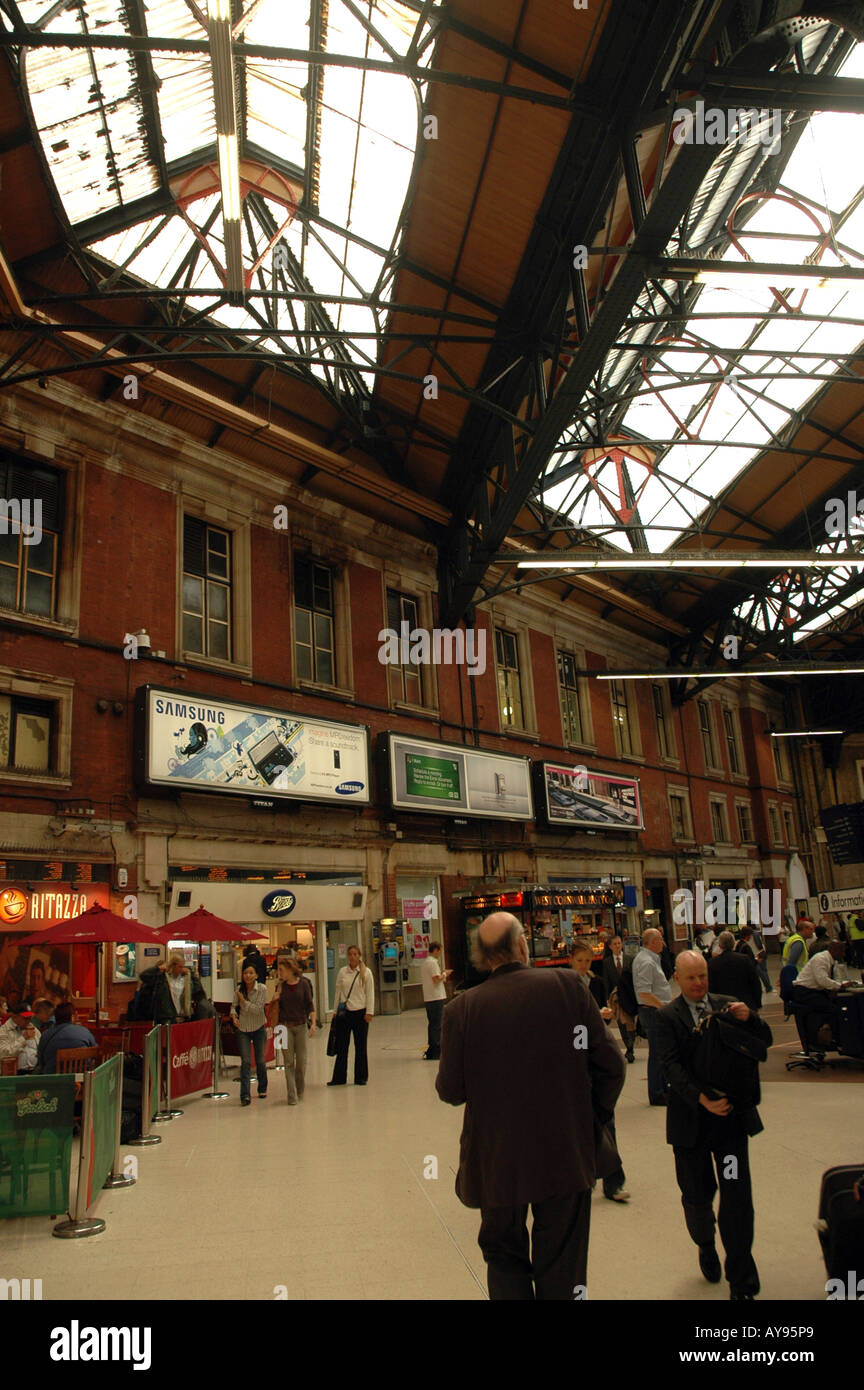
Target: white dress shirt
362,994
822,971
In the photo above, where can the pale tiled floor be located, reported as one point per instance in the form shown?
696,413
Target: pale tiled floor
329,1198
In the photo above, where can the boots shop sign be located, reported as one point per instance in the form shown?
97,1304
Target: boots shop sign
186,742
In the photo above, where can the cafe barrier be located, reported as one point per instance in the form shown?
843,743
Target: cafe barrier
214,1093
151,1087
36,1115
189,1058
100,1134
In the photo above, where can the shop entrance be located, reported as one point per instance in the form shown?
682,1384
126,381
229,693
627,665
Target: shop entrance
340,935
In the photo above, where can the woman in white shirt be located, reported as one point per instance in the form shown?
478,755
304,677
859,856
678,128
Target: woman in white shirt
355,993
248,1014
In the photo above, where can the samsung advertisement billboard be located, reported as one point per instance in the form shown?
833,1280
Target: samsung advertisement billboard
196,743
454,780
573,796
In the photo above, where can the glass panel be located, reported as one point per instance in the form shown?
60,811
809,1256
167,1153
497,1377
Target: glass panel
38,594
323,591
304,626
413,691
41,556
9,548
8,587
323,632
304,662
303,584
32,741
217,602
193,634
193,594
217,640
325,668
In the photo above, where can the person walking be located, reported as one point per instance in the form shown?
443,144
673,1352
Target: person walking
612,969
528,1055
296,1009
173,988
248,1014
355,993
433,978
734,972
581,960
709,1130
652,991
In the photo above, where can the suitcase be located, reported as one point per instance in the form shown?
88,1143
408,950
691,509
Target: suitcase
841,1220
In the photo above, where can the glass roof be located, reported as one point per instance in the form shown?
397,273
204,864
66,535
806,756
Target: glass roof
702,434
115,126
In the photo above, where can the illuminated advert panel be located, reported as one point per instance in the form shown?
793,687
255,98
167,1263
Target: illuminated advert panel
454,780
595,800
196,743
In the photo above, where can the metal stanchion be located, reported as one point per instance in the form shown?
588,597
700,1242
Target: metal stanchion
217,1058
116,1178
78,1223
167,1114
146,1137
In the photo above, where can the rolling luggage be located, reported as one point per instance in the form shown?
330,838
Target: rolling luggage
841,1220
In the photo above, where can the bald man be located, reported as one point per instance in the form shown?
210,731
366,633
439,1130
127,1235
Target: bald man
709,1130
526,1052
652,991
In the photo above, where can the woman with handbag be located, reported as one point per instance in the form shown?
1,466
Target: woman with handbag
296,1009
354,1002
247,1013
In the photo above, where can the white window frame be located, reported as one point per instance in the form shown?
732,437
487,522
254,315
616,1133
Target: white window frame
720,801
660,688
775,825
741,804
717,765
341,621
521,631
55,690
633,723
404,586
583,693
684,794
239,528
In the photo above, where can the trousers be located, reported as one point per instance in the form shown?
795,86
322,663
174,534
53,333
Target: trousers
294,1057
557,1265
656,1079
354,1025
434,1014
247,1041
694,1168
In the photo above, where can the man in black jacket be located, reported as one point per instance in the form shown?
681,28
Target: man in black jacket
734,972
702,1125
528,1055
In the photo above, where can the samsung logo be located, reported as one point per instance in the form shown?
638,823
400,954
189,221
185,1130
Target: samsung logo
278,904
349,788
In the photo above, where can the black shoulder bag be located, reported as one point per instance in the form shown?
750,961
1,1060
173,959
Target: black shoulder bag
337,1022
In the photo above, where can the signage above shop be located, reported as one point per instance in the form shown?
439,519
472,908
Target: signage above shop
196,743
845,900
278,904
597,800
448,777
26,908
546,899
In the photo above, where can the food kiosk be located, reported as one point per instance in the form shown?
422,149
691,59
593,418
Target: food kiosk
553,918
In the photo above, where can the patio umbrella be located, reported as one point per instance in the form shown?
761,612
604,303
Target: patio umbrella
202,925
93,928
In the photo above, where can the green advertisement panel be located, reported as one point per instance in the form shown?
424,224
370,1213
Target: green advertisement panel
36,1115
107,1083
153,1042
436,778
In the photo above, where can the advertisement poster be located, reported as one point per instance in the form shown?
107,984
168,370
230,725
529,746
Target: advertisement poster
125,962
194,743
451,779
575,796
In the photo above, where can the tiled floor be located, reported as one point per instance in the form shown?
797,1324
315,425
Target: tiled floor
330,1198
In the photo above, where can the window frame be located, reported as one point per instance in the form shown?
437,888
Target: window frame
718,803
206,580
710,732
740,806
682,794
499,630
70,545
659,692
790,830
775,825
419,672
238,529
782,754
342,657
57,691
580,692
732,736
634,731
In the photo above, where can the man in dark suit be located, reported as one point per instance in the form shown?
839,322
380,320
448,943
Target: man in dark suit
529,1056
733,972
702,1125
611,969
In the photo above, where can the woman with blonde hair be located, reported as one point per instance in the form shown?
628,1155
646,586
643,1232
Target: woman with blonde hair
354,1004
296,1008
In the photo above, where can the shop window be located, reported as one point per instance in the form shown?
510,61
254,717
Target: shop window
406,681
510,705
32,503
207,597
314,622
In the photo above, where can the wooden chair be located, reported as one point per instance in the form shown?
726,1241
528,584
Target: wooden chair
75,1059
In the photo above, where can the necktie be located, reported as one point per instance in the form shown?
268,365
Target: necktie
618,963
701,1011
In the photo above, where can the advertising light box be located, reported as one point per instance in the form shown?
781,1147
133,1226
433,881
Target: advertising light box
196,743
595,800
451,779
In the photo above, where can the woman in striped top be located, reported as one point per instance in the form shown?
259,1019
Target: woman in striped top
251,1023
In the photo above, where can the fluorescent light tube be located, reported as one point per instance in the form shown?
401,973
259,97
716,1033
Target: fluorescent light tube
229,176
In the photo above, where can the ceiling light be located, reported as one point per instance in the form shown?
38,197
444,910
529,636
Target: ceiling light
219,10
229,177
848,668
684,560
808,733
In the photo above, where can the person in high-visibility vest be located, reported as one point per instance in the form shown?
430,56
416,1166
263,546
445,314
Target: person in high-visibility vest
856,938
796,951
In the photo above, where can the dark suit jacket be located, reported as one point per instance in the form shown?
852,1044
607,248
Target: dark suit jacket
530,1095
735,973
675,1045
611,975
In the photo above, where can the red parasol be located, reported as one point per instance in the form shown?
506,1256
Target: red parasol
202,925
94,926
